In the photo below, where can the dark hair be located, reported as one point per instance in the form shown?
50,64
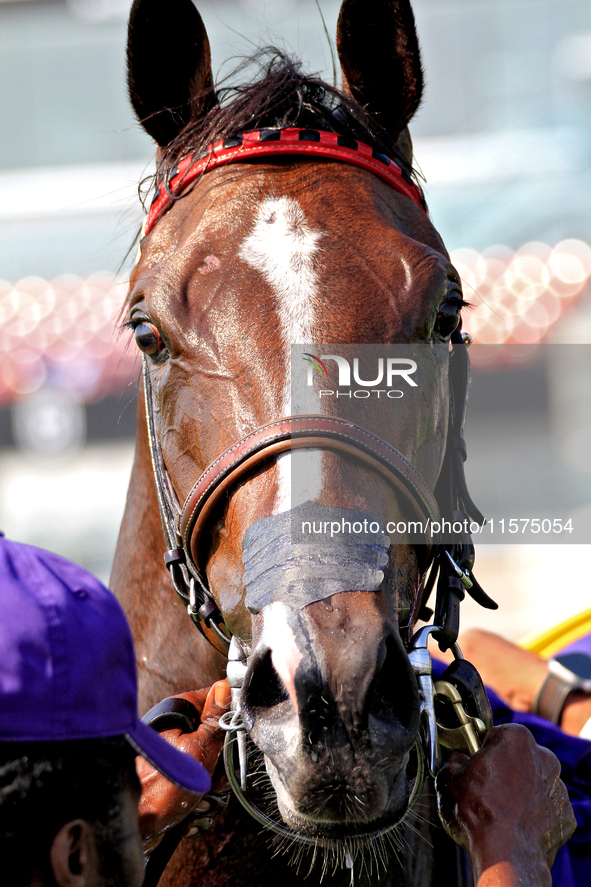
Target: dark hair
278,96
44,785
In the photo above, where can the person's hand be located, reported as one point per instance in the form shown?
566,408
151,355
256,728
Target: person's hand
162,804
507,807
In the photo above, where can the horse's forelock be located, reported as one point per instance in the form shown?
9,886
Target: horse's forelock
279,96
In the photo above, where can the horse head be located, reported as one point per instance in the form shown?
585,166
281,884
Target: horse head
239,263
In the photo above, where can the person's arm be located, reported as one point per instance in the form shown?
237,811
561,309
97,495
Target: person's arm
163,805
508,807
516,675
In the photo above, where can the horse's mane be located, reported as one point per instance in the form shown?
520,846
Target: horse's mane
280,95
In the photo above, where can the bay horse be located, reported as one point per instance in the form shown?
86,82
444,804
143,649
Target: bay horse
286,212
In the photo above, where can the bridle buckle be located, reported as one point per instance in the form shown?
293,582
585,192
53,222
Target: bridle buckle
192,605
463,575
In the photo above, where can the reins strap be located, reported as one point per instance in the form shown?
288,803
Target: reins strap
165,505
186,581
455,560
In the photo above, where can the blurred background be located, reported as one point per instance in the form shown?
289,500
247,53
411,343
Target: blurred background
503,139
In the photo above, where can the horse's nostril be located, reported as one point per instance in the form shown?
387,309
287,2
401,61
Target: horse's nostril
264,688
392,696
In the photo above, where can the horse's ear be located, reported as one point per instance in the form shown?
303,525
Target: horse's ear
381,60
168,66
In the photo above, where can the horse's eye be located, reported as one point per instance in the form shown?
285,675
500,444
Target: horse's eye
148,339
448,317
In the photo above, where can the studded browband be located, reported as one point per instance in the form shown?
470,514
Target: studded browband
275,142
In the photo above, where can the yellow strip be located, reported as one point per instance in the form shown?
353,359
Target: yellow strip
547,643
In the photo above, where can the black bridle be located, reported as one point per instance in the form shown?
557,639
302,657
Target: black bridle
450,563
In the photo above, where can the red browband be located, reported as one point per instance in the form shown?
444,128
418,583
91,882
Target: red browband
270,142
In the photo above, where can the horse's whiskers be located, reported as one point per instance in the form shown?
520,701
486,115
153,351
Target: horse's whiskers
369,856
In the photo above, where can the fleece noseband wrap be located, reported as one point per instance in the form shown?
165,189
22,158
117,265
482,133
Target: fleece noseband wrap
307,554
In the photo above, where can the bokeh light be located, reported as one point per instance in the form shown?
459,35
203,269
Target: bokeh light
517,296
64,334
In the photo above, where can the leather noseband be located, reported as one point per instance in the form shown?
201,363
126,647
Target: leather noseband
301,432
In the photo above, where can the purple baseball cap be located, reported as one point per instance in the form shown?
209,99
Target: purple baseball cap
67,664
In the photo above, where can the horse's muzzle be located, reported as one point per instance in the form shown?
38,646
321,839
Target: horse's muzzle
331,700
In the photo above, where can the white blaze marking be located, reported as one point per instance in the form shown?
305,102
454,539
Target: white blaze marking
282,247
300,477
279,636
